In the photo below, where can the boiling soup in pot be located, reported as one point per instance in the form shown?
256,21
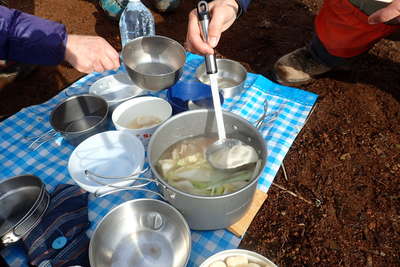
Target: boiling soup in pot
184,166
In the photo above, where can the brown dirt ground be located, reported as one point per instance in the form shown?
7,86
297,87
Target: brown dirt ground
345,164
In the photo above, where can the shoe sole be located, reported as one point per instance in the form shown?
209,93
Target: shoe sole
292,83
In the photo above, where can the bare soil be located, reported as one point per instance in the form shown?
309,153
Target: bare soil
343,168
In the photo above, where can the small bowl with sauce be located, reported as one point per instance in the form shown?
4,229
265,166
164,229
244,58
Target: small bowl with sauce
141,116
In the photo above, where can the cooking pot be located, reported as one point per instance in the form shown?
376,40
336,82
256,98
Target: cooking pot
79,117
23,202
206,212
141,232
75,118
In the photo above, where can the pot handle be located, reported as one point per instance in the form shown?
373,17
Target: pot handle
69,94
149,180
29,221
39,140
122,188
117,188
88,174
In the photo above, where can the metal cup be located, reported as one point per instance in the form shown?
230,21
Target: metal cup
231,77
79,117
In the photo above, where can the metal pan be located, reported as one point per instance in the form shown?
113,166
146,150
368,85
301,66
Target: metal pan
141,233
23,202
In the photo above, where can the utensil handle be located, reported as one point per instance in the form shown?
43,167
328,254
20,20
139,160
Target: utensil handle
204,19
122,188
113,185
129,177
41,139
217,107
261,121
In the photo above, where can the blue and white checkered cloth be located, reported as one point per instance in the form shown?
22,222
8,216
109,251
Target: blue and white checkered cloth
288,109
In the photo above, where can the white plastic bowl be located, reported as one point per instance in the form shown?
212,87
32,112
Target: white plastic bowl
252,257
141,106
111,153
115,89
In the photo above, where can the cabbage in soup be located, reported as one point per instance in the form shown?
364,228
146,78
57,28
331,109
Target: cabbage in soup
184,166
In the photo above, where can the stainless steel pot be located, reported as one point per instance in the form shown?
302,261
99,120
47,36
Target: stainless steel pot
75,118
79,117
23,202
154,62
141,232
206,213
231,76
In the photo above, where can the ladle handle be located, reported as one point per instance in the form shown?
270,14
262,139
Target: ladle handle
204,19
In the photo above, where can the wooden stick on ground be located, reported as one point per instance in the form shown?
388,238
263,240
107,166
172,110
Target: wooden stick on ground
284,171
292,193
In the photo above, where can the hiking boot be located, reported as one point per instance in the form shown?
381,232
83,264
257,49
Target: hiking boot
298,67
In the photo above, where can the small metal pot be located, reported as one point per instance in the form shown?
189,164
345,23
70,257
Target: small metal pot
141,232
201,212
23,202
79,117
231,77
154,62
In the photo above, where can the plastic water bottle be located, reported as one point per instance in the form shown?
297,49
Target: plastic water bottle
136,21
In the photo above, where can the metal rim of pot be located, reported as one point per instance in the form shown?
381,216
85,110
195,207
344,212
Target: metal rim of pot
32,217
83,131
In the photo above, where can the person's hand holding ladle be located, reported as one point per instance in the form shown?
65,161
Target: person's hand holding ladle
223,153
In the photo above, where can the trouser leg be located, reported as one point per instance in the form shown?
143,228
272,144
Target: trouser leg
320,54
343,28
341,33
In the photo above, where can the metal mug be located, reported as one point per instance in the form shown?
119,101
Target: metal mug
79,117
75,118
231,77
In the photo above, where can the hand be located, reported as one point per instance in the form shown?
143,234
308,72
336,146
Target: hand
387,14
223,14
90,53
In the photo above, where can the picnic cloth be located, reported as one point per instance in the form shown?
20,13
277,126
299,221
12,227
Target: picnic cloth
60,238
288,109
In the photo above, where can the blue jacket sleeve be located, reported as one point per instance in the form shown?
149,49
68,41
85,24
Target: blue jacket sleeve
30,39
244,4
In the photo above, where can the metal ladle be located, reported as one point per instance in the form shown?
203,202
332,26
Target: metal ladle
222,144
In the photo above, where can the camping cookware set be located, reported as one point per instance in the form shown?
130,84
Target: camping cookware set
23,202
158,231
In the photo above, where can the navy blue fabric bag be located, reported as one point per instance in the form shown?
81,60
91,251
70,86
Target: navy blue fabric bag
60,238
